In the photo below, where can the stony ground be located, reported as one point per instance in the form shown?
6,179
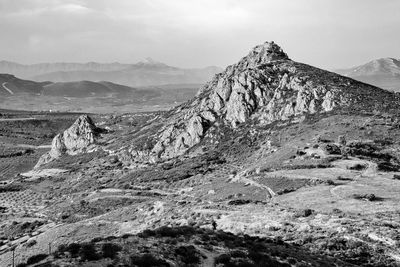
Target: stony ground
304,194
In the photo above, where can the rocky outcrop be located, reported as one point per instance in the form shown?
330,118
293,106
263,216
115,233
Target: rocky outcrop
79,138
265,86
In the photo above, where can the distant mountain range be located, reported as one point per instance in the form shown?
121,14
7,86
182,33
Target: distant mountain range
11,85
89,96
144,73
384,73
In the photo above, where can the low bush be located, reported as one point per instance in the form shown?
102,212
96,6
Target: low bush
188,254
223,259
304,213
330,182
239,202
110,250
73,249
358,167
388,167
147,260
369,197
340,178
36,258
88,252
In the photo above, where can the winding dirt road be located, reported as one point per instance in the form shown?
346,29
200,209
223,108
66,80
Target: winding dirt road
6,88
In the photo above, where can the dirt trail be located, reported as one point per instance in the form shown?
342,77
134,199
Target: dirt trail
210,260
7,89
370,171
241,179
32,146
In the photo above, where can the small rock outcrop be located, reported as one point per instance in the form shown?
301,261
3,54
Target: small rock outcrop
78,138
264,87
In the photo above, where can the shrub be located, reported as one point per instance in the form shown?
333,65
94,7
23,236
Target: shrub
239,202
369,197
73,249
304,213
340,178
238,254
88,252
36,258
10,188
331,149
330,182
188,254
358,167
110,250
387,167
147,260
223,259
165,231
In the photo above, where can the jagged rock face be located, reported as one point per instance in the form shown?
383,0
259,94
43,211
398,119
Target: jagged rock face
80,135
265,86
76,139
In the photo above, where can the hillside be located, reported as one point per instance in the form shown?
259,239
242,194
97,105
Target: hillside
140,74
10,85
264,87
384,73
97,89
273,163
87,96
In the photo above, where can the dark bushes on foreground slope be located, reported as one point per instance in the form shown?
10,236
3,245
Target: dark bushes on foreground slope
147,260
153,248
385,161
110,250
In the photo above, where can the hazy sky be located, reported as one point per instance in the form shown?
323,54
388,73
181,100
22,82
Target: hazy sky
194,33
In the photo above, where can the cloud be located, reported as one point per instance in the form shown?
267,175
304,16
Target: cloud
197,32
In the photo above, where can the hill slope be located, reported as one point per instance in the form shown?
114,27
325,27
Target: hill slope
89,96
384,72
95,89
262,88
11,85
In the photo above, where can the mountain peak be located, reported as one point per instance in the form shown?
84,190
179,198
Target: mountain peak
265,53
262,88
151,62
377,67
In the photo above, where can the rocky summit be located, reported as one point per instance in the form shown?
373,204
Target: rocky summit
263,87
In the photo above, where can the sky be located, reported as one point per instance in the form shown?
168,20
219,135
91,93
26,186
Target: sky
197,33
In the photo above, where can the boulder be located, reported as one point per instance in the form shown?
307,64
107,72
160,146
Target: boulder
78,138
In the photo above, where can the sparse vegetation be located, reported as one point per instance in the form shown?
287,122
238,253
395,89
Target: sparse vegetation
369,197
